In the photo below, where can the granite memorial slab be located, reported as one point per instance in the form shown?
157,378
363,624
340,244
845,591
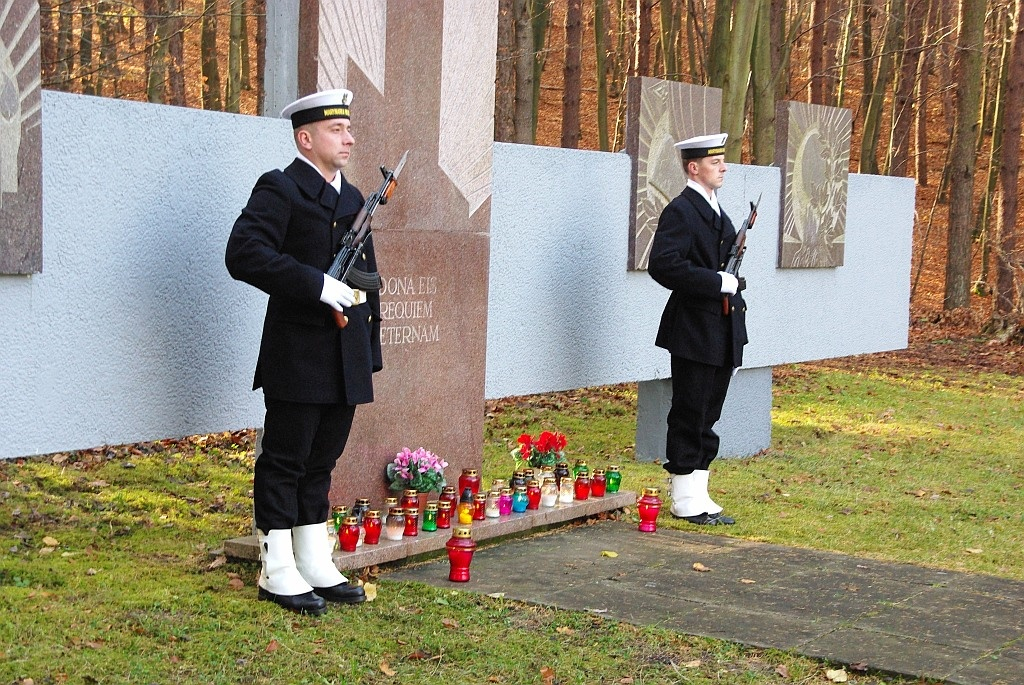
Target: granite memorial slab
422,75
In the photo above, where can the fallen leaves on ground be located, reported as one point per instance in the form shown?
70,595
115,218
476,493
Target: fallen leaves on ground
700,568
371,591
387,670
974,550
782,671
606,553
449,623
747,581
836,676
547,675
272,646
235,581
217,563
564,630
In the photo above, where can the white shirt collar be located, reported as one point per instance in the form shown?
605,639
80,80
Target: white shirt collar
712,198
336,183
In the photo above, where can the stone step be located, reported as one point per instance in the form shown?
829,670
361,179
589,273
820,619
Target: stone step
393,550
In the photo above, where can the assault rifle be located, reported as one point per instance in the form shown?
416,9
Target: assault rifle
354,241
739,246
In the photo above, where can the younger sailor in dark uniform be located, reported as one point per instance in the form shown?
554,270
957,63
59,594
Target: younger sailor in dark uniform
688,257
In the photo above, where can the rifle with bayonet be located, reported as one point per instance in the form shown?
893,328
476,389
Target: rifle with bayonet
354,242
739,247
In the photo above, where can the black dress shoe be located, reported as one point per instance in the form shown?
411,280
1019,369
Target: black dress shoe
306,603
706,519
345,593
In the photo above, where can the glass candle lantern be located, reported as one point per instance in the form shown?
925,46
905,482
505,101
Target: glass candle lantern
505,502
580,466
548,492
532,494
444,514
339,512
349,535
648,507
519,499
412,523
464,514
581,487
561,471
614,478
394,524
373,526
449,494
430,517
566,491
360,508
389,503
491,505
410,500
545,472
460,553
518,478
498,484
529,474
469,479
479,506
598,483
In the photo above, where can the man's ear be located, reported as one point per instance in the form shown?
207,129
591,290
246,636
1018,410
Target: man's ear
302,139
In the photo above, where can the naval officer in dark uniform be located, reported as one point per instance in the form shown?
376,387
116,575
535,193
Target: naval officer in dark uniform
312,372
688,257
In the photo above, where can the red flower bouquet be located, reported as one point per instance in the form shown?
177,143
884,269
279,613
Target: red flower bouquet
544,450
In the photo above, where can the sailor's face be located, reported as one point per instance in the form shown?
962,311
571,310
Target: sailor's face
709,172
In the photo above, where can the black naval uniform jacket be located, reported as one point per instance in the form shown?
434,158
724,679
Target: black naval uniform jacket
690,247
282,243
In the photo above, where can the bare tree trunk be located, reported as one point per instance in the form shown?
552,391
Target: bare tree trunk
176,52
65,50
923,92
819,17
541,19
891,44
763,86
47,44
505,75
233,86
1009,300
86,68
867,58
246,71
208,50
261,52
644,30
834,26
737,75
156,44
843,53
571,74
670,21
721,35
600,36
523,117
963,158
903,101
696,41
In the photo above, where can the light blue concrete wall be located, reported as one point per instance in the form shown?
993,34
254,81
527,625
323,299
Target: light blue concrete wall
565,312
134,331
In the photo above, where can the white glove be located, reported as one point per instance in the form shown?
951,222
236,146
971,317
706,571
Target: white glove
336,294
729,283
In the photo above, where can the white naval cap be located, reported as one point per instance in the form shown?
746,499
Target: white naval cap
703,146
327,104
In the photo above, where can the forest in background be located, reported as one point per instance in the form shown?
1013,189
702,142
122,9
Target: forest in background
935,87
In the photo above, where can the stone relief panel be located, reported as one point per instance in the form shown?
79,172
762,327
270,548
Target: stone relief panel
658,114
21,229
812,148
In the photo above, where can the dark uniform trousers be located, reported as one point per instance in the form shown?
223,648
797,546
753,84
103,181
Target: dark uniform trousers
690,247
301,445
313,374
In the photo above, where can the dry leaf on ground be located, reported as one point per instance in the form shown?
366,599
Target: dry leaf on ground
696,663
371,591
974,550
547,675
273,646
564,630
606,553
782,671
217,563
697,566
747,581
449,623
387,670
50,542
836,676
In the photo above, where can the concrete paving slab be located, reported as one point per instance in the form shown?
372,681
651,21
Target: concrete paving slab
900,618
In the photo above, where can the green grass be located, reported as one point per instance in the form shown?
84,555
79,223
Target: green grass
923,468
